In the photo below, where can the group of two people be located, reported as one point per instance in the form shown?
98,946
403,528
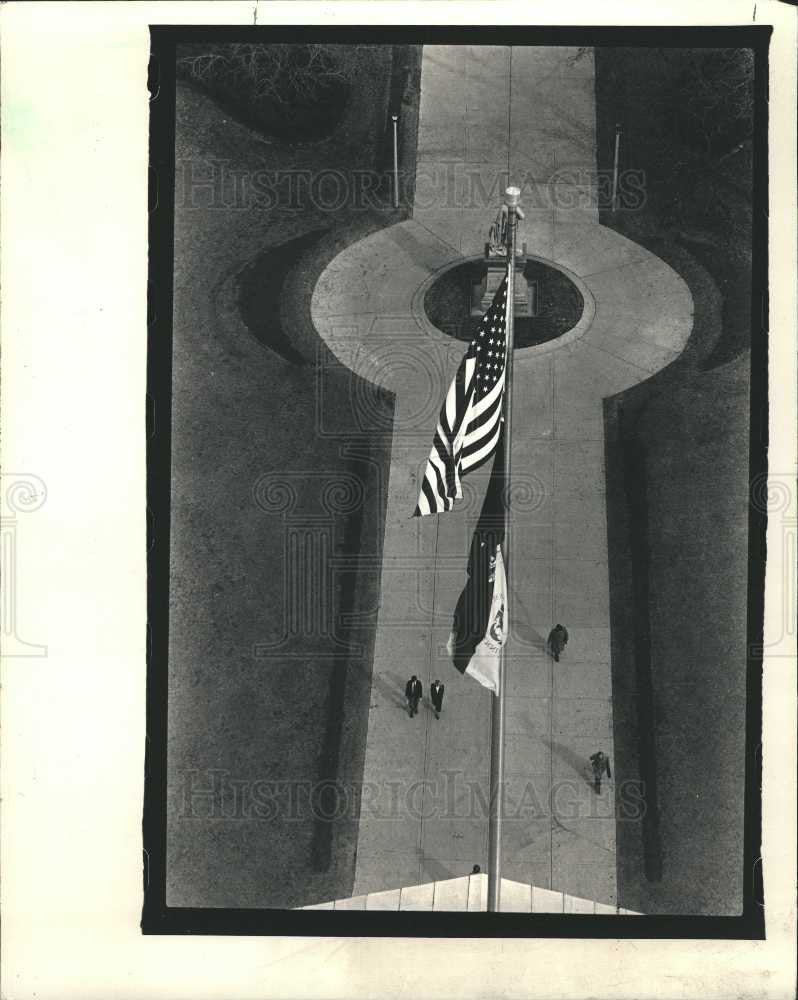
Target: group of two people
414,693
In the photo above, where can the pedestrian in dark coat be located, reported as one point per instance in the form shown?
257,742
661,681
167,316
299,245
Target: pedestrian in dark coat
600,763
558,637
436,694
413,692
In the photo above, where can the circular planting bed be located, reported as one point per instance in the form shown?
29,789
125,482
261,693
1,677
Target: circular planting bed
554,303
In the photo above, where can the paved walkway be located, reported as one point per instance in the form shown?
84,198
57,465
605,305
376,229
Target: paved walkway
423,817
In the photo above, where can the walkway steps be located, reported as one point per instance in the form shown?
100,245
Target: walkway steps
470,894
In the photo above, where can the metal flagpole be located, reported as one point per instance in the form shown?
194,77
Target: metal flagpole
497,708
615,168
395,163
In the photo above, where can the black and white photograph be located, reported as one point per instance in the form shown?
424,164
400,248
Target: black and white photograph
399,500
458,608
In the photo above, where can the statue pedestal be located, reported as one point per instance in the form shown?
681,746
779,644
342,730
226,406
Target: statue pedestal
490,275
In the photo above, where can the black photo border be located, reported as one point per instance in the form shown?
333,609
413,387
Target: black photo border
157,917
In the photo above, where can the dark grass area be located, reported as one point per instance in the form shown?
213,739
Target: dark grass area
271,628
295,92
403,102
677,503
261,290
343,129
560,304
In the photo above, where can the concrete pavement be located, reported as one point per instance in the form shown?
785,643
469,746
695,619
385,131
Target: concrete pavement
423,817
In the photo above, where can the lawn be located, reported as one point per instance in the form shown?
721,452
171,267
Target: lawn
678,477
269,678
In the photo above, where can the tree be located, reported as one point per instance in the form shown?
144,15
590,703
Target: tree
297,88
718,98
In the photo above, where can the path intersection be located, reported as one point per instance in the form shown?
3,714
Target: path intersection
484,110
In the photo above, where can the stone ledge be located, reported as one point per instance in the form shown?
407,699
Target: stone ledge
470,894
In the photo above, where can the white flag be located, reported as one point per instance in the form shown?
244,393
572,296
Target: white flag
484,663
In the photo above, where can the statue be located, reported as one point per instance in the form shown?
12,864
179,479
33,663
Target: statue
497,237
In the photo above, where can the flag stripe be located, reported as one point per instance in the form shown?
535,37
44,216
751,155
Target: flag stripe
483,416
476,458
438,467
482,429
439,459
495,394
428,497
470,418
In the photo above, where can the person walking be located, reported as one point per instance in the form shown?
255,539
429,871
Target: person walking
436,694
556,643
600,763
413,692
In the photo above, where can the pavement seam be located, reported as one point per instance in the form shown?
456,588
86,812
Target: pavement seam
430,655
617,357
620,267
569,420
439,238
551,671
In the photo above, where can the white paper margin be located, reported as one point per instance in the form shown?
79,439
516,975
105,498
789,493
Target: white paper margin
74,272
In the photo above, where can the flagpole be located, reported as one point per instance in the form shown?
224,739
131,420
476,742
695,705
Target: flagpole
498,700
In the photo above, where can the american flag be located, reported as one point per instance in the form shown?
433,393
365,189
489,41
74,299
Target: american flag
470,420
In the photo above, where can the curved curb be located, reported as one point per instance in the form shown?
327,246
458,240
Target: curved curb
294,302
355,316
226,309
300,282
578,330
